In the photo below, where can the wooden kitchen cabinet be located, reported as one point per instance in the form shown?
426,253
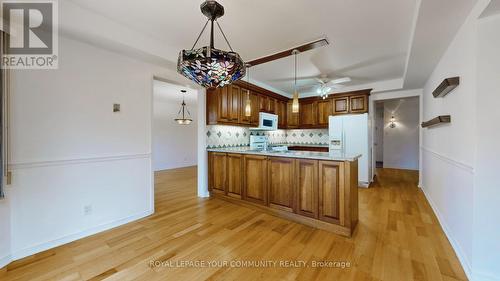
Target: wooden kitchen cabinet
234,103
281,112
244,95
281,178
306,172
271,105
255,179
331,188
234,181
254,98
323,111
340,105
358,104
292,119
217,172
307,114
263,104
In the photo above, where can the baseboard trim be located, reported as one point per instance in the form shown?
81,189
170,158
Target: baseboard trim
72,237
65,162
458,250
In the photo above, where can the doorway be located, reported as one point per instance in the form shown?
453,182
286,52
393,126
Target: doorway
173,145
396,136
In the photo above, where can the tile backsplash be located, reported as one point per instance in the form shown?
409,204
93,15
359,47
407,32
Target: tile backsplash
229,136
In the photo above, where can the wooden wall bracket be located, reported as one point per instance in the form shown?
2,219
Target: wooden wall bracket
436,121
446,86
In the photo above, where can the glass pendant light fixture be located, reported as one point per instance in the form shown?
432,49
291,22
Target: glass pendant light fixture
182,118
208,66
295,101
248,103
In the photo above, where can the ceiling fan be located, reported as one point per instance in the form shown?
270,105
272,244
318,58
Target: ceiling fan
327,85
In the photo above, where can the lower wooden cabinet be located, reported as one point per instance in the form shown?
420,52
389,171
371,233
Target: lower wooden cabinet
331,188
217,172
306,173
281,183
234,185
255,179
321,193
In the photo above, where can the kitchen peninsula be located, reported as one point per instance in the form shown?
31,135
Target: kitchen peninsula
319,189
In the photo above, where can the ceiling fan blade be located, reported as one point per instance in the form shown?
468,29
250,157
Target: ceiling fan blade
340,80
306,47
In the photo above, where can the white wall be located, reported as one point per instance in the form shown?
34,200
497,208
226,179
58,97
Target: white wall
5,229
486,245
379,132
69,150
401,144
174,145
449,151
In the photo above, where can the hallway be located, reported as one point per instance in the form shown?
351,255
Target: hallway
398,238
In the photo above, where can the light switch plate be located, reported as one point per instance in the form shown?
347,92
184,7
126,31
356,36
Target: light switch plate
116,107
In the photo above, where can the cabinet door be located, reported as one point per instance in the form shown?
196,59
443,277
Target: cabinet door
292,119
234,103
234,178
254,98
271,106
306,172
224,104
281,180
331,189
245,95
217,172
340,105
307,114
255,179
281,111
263,104
358,104
323,111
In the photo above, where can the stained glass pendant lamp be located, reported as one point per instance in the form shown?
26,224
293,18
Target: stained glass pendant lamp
184,116
208,66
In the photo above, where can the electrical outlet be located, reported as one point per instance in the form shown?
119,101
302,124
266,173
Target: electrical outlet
87,210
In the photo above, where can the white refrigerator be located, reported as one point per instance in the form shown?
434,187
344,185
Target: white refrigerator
349,134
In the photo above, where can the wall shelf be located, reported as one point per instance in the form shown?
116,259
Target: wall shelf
436,121
446,86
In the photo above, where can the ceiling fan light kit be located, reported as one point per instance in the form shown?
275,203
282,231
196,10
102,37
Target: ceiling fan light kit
208,66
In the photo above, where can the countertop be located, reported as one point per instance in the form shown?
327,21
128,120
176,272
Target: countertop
333,156
300,144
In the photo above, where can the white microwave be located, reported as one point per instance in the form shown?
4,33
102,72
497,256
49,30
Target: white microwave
267,122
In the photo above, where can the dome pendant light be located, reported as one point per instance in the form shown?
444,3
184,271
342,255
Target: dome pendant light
208,66
182,119
248,102
295,101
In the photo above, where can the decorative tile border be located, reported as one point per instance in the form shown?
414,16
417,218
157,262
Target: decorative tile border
220,136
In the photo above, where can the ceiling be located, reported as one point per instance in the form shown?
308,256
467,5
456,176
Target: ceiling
260,27
384,44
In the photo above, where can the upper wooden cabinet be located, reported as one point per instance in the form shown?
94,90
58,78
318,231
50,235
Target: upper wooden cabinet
323,111
292,119
227,105
340,105
307,114
358,104
281,112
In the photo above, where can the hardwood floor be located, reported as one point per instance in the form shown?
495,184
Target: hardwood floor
397,238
